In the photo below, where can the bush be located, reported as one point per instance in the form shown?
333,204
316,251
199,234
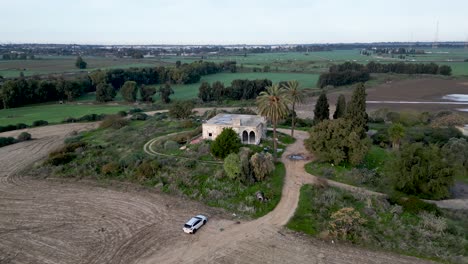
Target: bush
181,109
422,171
171,145
414,205
345,222
135,110
114,121
91,118
225,143
7,128
232,166
21,126
147,170
39,123
110,168
262,165
24,136
139,116
122,113
70,120
5,141
61,158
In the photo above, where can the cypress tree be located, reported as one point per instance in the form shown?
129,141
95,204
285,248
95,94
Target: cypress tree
340,107
356,111
321,111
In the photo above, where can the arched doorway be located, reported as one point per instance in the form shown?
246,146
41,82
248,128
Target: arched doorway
245,137
252,137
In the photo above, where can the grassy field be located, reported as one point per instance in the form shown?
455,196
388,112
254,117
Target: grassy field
412,229
285,61
61,64
117,154
189,91
53,112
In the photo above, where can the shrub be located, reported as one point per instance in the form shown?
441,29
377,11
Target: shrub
7,128
39,123
171,145
135,110
70,120
225,143
181,109
232,166
432,222
61,158
91,118
5,141
421,170
110,168
122,113
139,116
345,222
262,165
114,121
24,136
414,205
21,126
147,169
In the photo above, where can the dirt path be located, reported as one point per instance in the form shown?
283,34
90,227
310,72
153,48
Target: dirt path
67,221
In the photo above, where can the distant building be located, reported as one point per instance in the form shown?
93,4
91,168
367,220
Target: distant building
250,128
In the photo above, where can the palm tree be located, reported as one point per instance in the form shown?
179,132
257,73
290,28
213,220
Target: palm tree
396,132
273,104
296,96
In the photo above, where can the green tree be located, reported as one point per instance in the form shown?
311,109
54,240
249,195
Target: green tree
335,141
445,70
456,152
340,107
147,93
273,104
80,63
232,166
321,111
356,111
422,171
296,96
165,93
262,165
396,132
97,77
225,143
129,91
205,92
105,92
181,109
219,91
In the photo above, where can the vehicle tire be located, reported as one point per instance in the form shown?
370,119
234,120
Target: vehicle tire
194,231
204,221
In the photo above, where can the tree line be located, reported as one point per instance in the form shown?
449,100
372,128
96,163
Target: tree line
351,72
239,90
23,91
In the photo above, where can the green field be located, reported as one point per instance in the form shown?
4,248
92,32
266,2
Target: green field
61,64
53,113
315,62
189,91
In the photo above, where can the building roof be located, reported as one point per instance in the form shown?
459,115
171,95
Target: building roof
228,120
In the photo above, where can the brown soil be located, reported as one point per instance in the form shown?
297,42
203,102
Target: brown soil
420,90
69,221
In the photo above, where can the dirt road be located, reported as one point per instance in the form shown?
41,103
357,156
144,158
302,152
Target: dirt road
68,221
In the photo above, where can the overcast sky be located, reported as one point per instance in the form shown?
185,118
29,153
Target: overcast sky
230,22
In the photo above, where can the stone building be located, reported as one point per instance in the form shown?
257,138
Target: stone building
250,128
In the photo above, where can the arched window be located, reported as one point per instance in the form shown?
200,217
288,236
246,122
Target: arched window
245,137
252,137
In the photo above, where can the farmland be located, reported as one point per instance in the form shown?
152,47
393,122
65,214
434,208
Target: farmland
53,113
